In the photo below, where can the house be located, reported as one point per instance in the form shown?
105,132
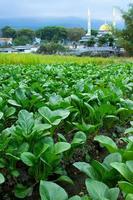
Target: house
6,41
26,48
20,49
97,51
37,41
7,50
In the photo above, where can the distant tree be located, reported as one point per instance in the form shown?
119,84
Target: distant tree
106,39
91,42
53,33
24,36
51,48
102,40
110,39
94,32
23,40
75,34
125,37
8,32
27,33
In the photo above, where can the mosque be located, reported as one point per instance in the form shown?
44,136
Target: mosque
103,29
82,48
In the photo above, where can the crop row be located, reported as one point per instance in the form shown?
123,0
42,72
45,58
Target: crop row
52,116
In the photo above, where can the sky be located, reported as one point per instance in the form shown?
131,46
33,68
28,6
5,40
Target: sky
100,9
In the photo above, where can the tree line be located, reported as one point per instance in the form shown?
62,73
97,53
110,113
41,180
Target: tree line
49,34
125,37
53,34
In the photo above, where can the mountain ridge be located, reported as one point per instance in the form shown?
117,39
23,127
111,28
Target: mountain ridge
68,22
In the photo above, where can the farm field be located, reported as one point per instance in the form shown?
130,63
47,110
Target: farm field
36,59
66,128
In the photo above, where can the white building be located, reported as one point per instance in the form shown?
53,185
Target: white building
20,49
26,48
6,41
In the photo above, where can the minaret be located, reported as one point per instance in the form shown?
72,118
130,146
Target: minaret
114,17
130,2
89,23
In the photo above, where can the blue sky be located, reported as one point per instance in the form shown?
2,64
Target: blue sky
100,9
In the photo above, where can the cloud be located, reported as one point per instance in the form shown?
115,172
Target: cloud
59,8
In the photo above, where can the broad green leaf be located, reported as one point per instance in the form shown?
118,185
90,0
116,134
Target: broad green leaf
128,155
75,98
13,103
79,138
129,197
75,198
91,109
88,128
131,123
20,95
97,190
126,187
15,173
99,167
53,117
1,115
130,138
113,193
107,142
23,147
129,130
10,111
86,197
2,178
62,113
55,99
61,138
26,122
130,165
4,140
111,117
65,179
87,169
61,147
1,100
22,191
40,148
121,110
2,162
49,116
41,127
123,170
114,157
52,191
28,158
129,104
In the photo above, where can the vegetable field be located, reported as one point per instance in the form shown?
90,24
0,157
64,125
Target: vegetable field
66,131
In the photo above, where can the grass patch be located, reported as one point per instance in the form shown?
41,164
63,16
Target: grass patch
56,59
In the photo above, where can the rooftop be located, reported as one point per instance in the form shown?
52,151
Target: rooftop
5,39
